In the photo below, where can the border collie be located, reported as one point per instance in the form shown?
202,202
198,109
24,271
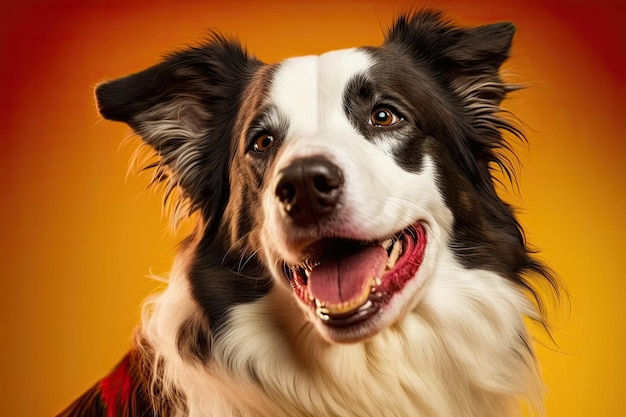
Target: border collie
351,256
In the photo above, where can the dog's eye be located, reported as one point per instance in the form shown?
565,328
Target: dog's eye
383,117
263,142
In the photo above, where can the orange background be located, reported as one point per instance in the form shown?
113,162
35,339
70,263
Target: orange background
78,238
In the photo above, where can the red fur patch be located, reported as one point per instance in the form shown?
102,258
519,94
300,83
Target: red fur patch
116,387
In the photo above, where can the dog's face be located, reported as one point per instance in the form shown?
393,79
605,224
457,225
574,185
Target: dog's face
349,189
344,175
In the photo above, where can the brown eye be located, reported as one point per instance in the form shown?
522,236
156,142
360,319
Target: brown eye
383,117
263,142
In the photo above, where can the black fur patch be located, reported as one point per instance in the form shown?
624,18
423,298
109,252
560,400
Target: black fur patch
194,340
223,279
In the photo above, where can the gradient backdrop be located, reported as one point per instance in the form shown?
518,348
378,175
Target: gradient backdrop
79,239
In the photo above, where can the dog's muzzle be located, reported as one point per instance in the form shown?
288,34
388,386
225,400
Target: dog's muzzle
309,189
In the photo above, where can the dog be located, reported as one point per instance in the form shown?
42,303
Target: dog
351,255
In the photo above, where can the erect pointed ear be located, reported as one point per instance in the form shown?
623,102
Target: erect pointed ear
482,45
185,109
436,41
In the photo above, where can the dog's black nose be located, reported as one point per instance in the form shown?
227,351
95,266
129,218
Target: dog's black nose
309,189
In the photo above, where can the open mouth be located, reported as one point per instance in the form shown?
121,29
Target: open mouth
347,282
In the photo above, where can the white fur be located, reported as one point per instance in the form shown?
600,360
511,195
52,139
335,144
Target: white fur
460,352
180,121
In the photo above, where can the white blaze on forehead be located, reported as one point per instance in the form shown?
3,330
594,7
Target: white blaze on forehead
308,91
379,197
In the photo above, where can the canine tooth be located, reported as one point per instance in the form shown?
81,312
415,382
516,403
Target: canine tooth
367,304
386,244
395,253
322,315
310,265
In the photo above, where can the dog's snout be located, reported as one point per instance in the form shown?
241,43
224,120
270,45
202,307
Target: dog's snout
309,189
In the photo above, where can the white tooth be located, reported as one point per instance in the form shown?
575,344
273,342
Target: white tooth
367,304
395,253
386,243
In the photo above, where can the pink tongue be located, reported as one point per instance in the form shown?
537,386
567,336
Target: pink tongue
342,278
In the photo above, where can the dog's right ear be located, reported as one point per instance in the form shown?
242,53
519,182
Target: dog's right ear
185,108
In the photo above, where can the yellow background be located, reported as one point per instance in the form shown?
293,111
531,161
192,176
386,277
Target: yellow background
78,238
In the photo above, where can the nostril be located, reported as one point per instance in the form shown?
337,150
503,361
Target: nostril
285,191
324,183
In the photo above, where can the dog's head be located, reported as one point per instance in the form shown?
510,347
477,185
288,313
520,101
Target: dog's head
344,176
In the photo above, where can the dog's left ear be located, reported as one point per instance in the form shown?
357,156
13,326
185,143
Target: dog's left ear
487,45
453,50
185,108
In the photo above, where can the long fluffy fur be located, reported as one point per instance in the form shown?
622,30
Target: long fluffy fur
225,340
